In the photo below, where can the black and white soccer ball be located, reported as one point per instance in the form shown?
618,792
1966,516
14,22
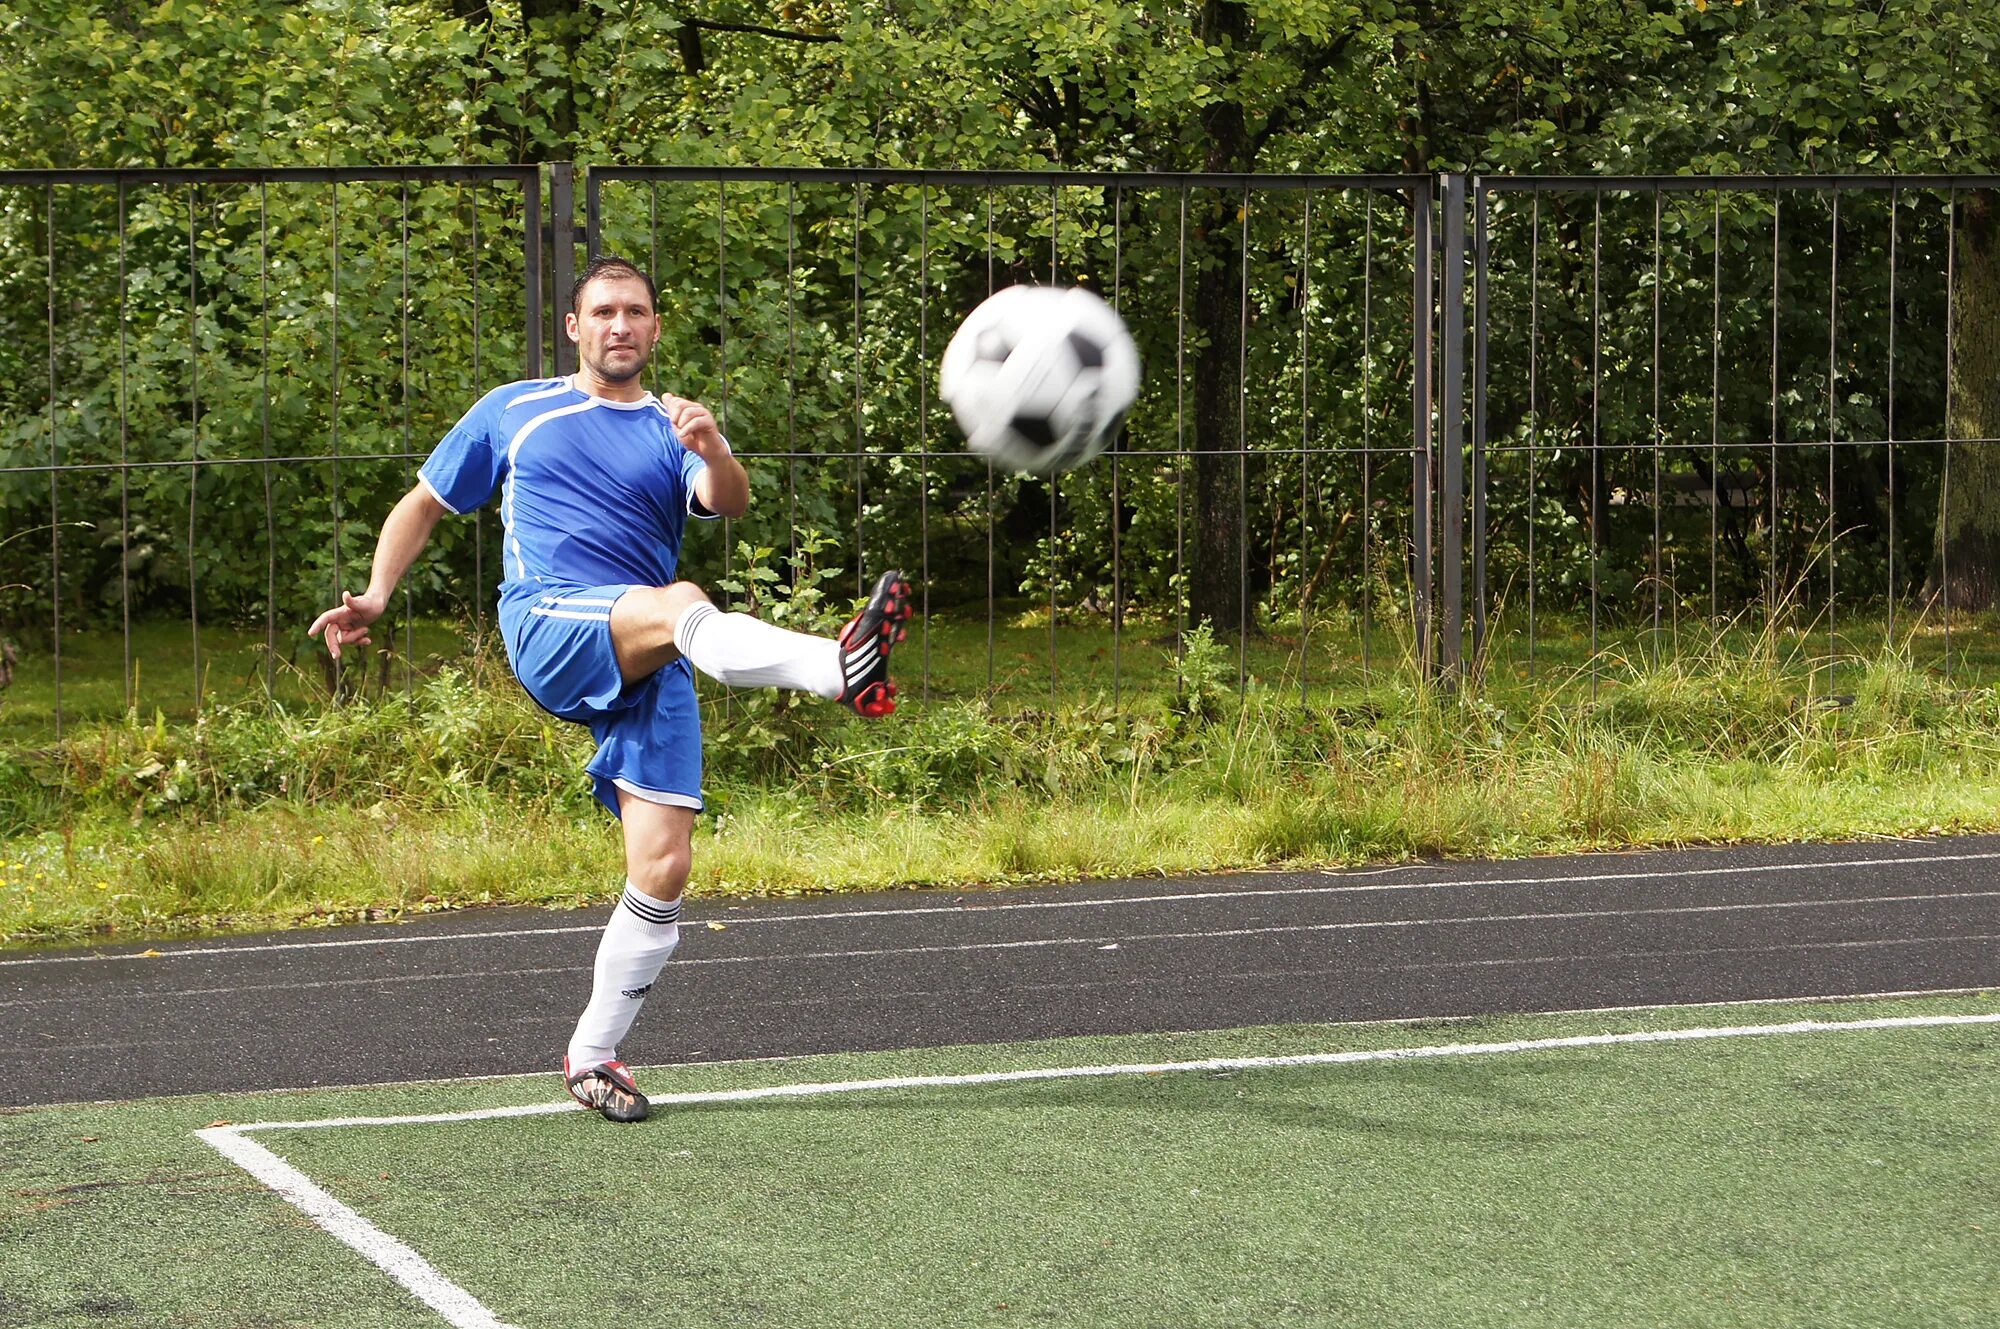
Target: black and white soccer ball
1039,378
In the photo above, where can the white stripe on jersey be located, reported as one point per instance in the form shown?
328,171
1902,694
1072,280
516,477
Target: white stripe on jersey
576,600
569,613
562,386
513,454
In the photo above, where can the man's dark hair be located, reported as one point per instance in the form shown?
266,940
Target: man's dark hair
610,265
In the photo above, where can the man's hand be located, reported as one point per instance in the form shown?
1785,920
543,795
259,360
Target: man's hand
347,625
696,426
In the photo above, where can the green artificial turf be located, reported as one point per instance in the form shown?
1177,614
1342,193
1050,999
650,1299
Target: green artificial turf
1818,1180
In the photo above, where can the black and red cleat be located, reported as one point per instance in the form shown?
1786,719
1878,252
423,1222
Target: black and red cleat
609,1088
865,644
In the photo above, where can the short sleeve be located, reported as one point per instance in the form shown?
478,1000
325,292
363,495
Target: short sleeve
467,464
691,466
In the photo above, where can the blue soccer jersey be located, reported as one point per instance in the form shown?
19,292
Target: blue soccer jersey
595,491
594,497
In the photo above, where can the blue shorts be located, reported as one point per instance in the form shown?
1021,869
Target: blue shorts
648,734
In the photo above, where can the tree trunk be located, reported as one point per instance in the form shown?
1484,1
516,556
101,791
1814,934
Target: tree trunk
1215,581
1965,570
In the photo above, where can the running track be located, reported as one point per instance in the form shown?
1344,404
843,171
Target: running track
496,991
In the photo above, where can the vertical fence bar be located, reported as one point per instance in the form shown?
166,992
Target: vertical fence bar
1451,429
1243,449
1534,399
264,417
1180,446
860,485
593,217
1117,502
194,441
1895,219
1596,438
1420,422
1658,429
1715,418
989,474
124,461
1950,372
1305,435
1832,437
1480,316
1367,429
722,366
562,265
55,457
791,362
403,374
1055,477
531,269
652,235
478,513
333,397
1777,204
923,418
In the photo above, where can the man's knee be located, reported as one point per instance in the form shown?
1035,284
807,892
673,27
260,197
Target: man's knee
678,598
662,875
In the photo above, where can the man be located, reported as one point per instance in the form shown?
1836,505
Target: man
597,478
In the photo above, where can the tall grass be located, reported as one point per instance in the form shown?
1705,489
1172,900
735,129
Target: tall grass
464,793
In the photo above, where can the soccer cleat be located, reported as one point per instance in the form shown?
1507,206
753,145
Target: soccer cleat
865,643
609,1088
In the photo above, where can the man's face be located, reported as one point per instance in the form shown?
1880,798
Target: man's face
614,327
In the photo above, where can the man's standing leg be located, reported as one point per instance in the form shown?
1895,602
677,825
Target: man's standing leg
642,934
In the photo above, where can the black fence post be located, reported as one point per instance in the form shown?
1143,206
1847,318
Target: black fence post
1479,329
1451,421
562,266
532,264
1421,308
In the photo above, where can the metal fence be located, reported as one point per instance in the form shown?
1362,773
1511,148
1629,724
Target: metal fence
1388,423
812,306
1736,390
199,367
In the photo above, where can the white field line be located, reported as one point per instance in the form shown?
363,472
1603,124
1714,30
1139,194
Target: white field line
925,911
1381,1021
463,1311
459,1308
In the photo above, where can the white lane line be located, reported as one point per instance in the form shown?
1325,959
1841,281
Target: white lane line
1034,943
879,952
1128,983
930,911
1872,943
462,1310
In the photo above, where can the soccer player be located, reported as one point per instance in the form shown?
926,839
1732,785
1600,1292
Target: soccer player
597,478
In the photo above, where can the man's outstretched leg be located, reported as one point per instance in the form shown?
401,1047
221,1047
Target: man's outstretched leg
651,625
637,942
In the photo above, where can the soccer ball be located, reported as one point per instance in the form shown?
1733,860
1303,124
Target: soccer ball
1039,378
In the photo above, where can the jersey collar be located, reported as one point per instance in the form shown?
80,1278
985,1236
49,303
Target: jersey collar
649,400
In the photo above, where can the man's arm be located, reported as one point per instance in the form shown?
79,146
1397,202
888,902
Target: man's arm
724,488
404,536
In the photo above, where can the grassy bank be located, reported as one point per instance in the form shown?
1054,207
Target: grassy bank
460,792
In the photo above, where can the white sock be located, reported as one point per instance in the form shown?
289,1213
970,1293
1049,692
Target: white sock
747,653
641,935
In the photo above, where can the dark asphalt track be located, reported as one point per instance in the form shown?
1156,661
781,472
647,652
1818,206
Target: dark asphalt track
497,991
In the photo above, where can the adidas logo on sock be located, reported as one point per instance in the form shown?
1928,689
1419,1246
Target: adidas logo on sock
636,992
